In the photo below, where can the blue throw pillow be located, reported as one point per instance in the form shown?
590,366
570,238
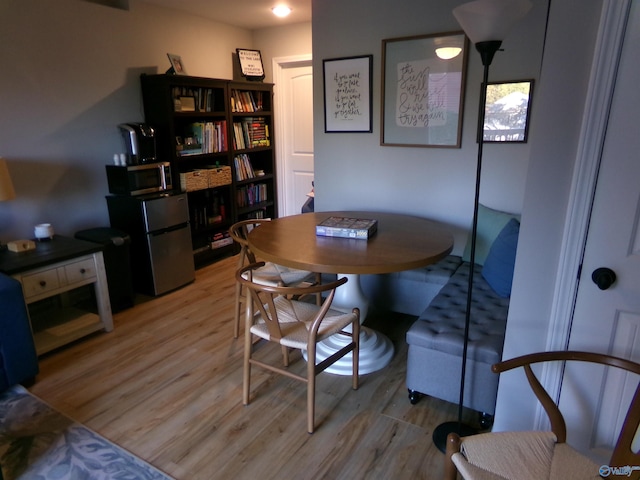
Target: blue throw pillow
498,267
490,224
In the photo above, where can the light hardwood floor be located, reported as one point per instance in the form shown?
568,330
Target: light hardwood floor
166,384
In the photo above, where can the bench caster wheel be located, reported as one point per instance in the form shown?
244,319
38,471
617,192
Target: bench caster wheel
414,396
486,420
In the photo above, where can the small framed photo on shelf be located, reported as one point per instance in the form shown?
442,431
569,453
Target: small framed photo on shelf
347,94
177,67
507,111
423,79
250,64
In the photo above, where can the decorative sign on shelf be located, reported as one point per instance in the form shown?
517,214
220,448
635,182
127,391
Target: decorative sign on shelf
347,94
250,63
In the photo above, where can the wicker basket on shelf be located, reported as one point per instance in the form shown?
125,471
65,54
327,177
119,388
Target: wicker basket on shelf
194,180
219,176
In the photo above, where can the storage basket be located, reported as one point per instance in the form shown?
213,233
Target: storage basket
219,176
195,180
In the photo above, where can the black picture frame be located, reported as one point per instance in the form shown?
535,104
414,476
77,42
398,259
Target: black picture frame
423,90
507,111
348,98
251,66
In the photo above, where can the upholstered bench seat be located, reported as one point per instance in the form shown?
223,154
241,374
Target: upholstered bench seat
436,343
409,291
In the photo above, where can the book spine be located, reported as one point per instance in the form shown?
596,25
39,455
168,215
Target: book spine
342,232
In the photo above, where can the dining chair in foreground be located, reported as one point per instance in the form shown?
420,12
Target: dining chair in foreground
269,274
540,455
281,315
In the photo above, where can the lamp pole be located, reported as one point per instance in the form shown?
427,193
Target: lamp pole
486,23
487,51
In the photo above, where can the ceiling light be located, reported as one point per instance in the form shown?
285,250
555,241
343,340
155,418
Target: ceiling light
281,10
447,53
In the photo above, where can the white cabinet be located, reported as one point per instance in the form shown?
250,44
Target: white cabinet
67,300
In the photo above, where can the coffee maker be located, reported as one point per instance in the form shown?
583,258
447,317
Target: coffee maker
139,142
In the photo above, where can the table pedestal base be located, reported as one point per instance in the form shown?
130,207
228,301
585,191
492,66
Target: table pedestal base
376,351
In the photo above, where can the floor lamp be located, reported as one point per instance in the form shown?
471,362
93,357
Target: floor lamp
486,23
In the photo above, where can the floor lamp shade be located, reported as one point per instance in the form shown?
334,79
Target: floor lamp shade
490,20
6,187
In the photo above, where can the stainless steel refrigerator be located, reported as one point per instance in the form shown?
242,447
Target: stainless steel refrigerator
161,248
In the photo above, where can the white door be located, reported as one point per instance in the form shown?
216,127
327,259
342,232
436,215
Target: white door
608,321
294,92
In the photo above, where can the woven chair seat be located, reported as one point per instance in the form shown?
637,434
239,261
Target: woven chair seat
522,455
274,275
295,318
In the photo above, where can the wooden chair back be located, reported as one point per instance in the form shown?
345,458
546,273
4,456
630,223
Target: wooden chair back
239,231
263,297
623,454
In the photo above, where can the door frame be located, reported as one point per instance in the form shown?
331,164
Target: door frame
279,64
602,81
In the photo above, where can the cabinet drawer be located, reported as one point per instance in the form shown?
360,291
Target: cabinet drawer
79,271
40,282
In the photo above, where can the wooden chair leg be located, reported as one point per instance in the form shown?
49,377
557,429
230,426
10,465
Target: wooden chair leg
236,325
453,446
311,386
355,331
285,356
248,346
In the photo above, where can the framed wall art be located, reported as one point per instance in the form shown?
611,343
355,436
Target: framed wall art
177,67
347,94
423,79
507,111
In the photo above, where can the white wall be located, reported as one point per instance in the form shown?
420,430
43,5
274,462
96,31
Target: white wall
432,182
71,75
555,131
286,41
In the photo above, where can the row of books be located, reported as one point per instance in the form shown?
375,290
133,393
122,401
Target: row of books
251,132
207,210
203,99
252,195
243,101
207,137
244,169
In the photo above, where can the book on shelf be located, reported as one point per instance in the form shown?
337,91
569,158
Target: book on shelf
210,136
251,132
192,99
346,227
221,239
243,167
245,101
252,195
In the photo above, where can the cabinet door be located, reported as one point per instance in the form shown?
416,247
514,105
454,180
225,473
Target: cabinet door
171,259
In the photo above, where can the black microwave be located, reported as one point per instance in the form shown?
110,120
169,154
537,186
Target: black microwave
139,179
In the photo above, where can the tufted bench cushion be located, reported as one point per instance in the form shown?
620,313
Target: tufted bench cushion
409,291
441,326
436,342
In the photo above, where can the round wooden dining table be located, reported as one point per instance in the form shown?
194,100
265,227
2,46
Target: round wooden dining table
401,242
